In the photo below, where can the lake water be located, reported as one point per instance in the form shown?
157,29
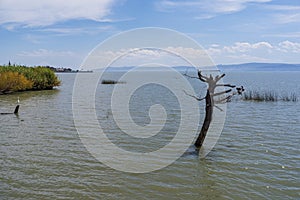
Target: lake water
257,155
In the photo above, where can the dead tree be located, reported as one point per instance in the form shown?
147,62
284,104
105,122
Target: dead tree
210,101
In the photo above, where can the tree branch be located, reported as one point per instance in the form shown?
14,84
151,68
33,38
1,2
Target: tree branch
226,85
202,78
190,76
218,108
219,77
224,100
197,98
220,93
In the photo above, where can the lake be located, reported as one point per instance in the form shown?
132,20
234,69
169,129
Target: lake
257,155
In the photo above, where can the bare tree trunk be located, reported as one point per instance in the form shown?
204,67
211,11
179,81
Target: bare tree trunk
212,83
207,120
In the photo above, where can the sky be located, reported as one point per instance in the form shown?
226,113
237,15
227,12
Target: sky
62,33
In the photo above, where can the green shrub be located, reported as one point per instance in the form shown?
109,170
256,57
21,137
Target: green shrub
40,78
13,81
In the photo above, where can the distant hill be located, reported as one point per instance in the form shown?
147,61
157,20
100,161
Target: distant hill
260,67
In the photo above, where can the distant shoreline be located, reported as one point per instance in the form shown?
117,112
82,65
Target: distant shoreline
74,72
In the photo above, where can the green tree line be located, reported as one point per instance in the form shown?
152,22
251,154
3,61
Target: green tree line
20,78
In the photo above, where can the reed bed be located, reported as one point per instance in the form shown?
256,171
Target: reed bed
112,82
272,96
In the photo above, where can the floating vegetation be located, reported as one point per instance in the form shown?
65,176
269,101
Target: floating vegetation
112,82
254,95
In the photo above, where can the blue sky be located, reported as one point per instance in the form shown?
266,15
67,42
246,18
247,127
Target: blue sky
62,33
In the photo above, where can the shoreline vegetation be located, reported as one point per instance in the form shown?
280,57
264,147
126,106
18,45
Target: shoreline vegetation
17,78
268,95
112,82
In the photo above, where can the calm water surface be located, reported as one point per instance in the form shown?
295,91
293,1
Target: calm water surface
256,157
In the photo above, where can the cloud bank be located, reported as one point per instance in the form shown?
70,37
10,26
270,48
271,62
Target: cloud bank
206,8
31,13
239,52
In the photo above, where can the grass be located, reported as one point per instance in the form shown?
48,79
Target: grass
21,78
255,95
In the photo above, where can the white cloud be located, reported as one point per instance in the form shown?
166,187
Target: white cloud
46,12
284,35
56,58
45,53
285,13
288,17
262,45
283,7
169,56
241,52
288,46
76,30
246,47
206,8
